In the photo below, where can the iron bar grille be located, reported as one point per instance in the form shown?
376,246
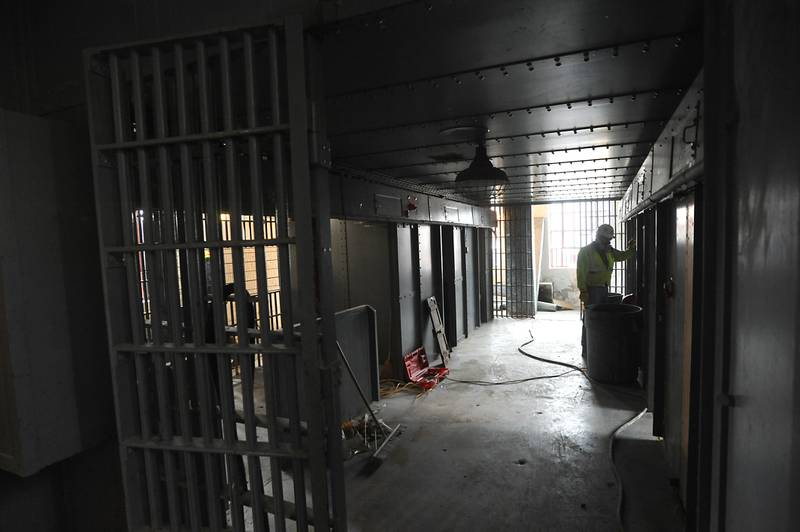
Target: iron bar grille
572,225
513,288
196,168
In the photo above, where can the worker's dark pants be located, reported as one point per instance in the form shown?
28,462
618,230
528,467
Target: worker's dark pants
597,294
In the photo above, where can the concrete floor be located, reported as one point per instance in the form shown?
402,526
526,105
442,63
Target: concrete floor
520,457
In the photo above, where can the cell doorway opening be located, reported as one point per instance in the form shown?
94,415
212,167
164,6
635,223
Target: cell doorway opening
535,250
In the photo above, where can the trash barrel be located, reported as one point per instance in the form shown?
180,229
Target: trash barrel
613,342
614,297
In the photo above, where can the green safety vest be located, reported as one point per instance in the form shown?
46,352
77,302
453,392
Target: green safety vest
592,270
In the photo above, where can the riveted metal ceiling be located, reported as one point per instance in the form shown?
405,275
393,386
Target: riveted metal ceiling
569,95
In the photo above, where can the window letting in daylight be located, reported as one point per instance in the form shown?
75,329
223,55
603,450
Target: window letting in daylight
572,225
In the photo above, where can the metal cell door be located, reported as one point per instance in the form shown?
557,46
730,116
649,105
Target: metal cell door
470,291
204,191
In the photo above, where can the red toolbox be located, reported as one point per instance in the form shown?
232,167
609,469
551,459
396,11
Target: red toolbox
420,372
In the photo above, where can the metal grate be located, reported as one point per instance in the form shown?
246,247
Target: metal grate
513,290
199,150
572,225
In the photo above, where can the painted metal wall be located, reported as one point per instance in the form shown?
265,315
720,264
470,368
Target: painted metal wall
755,170
406,310
453,284
428,271
362,271
676,157
676,333
470,279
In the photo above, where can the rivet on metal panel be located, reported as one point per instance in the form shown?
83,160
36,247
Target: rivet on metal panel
529,64
557,61
99,68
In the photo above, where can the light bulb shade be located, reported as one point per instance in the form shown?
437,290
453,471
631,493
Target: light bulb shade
482,171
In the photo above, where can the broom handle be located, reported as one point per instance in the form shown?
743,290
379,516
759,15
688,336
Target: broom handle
358,387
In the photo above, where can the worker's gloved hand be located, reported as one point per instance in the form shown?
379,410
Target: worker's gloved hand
632,243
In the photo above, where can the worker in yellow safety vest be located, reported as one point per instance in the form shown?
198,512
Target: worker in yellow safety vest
595,267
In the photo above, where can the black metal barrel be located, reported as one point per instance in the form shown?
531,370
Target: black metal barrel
612,342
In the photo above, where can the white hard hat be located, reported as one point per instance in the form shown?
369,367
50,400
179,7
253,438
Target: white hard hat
606,231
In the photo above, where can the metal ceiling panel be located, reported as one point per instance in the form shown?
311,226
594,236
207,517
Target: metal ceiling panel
536,161
569,96
609,71
595,141
619,109
429,38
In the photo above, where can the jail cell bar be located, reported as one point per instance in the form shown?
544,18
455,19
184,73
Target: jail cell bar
513,290
592,214
195,172
576,224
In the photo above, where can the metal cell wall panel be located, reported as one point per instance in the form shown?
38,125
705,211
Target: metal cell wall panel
361,199
356,331
675,159
470,280
406,308
485,258
203,178
457,283
427,289
364,251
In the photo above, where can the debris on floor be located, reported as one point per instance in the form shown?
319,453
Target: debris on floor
364,435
